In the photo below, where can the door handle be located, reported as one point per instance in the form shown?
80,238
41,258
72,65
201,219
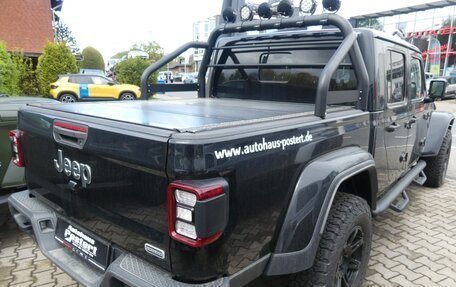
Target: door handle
392,127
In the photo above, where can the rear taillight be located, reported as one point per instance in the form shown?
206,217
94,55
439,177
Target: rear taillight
54,86
197,210
16,148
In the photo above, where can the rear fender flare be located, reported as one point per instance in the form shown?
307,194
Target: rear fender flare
312,199
439,124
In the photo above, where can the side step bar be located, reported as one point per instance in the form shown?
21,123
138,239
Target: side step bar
385,202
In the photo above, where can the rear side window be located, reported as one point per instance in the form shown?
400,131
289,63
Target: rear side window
416,80
80,80
278,73
395,76
99,81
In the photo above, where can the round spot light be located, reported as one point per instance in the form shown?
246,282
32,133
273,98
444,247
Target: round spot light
308,6
331,5
265,11
246,13
229,15
285,8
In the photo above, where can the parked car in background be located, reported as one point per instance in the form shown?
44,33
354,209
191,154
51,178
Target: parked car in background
75,87
11,176
167,76
180,77
191,79
92,72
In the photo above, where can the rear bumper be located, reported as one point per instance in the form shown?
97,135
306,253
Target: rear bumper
37,219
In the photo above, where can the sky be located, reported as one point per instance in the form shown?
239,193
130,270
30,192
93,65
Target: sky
112,26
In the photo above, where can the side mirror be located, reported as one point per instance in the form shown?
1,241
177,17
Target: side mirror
437,89
111,83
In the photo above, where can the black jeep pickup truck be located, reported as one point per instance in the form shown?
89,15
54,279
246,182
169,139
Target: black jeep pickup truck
296,139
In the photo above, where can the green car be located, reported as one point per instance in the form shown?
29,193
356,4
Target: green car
11,176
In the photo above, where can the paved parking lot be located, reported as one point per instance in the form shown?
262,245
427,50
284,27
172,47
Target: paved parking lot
413,248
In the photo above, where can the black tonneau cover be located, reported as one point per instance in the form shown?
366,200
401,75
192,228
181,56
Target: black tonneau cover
187,115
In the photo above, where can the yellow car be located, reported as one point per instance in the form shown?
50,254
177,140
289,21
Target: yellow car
76,87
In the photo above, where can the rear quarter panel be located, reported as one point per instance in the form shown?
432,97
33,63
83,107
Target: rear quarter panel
260,181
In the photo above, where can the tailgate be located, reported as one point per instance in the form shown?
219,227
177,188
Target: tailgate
106,178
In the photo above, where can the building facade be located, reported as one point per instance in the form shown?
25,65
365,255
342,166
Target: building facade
27,24
431,27
201,31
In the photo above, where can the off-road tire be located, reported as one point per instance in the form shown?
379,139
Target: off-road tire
67,98
436,166
127,96
348,214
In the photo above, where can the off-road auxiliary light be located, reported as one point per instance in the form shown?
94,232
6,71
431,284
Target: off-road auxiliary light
285,8
308,7
331,6
197,210
16,147
246,13
229,15
265,11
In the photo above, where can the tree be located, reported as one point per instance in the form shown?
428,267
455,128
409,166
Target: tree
92,59
154,50
8,73
63,34
56,59
130,71
28,82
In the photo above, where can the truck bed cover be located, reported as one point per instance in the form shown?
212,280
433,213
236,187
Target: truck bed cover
188,115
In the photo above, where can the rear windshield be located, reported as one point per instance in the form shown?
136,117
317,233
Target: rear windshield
278,73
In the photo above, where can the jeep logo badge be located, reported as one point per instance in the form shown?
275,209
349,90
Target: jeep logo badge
78,171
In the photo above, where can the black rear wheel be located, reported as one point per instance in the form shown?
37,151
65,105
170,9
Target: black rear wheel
343,253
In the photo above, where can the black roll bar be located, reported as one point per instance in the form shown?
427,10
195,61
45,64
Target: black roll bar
349,45
165,60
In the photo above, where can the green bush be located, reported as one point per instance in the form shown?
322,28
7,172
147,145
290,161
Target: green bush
92,59
9,75
130,71
28,82
55,60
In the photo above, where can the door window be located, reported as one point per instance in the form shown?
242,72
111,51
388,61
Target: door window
395,76
416,80
99,81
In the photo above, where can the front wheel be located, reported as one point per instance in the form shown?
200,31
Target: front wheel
343,252
67,98
437,166
127,97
